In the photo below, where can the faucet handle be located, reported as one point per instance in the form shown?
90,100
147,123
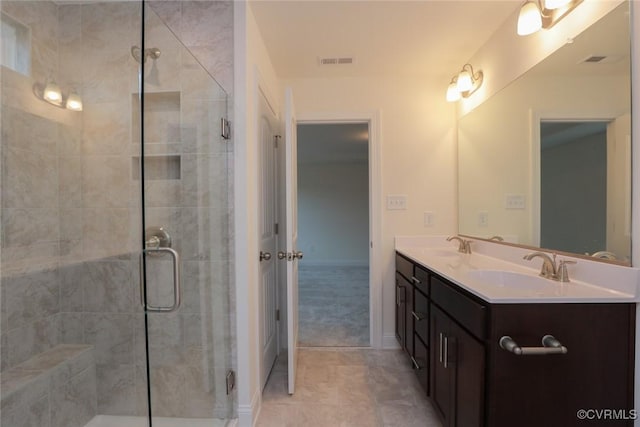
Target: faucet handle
563,274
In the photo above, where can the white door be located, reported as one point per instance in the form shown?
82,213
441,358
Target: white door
268,284
292,254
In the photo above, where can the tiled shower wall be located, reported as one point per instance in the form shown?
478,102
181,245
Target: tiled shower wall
70,204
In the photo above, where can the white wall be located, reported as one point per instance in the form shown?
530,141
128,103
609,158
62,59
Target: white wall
333,213
418,155
253,68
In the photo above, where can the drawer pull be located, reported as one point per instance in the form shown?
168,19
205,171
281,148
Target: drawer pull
418,316
550,346
415,280
440,347
415,364
446,352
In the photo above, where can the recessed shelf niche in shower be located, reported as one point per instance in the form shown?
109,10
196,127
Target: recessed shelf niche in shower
161,117
157,167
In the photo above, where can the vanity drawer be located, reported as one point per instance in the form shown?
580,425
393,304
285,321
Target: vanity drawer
422,279
421,315
421,363
404,267
466,311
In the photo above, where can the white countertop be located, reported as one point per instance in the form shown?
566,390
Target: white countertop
606,283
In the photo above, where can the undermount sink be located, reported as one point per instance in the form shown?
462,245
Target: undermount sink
512,279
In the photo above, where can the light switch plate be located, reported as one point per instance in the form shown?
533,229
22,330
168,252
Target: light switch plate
483,219
396,202
514,201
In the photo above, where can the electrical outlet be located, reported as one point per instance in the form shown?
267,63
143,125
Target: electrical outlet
483,219
428,219
396,202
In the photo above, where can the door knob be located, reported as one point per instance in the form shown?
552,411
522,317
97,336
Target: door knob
298,255
282,255
265,256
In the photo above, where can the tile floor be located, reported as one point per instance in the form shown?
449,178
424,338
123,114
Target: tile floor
333,306
347,387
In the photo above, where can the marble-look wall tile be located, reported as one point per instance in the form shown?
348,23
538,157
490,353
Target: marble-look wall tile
29,414
106,127
105,181
24,227
116,389
70,182
26,341
70,225
105,77
111,335
28,132
75,403
31,296
109,232
71,328
109,287
29,179
110,25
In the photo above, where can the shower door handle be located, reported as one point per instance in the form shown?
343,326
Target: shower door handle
176,280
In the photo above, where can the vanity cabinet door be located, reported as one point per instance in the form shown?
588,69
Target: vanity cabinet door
408,315
457,373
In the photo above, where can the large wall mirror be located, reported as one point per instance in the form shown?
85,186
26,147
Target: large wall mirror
546,162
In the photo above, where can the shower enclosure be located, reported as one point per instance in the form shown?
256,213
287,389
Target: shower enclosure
115,252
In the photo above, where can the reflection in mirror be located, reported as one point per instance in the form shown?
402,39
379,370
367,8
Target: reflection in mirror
546,162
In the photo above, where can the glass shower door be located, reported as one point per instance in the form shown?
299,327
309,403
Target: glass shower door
185,285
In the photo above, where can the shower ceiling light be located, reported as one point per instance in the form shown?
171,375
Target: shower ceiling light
534,16
464,84
52,93
74,102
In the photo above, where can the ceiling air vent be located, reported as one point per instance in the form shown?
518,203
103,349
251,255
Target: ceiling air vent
335,61
601,59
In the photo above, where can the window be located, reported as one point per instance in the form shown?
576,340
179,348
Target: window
16,41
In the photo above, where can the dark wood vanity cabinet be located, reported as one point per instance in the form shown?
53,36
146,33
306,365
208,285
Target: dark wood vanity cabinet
473,382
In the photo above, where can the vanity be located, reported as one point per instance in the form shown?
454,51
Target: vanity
472,326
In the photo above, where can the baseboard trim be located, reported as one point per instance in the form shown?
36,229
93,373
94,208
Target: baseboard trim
390,342
248,414
334,263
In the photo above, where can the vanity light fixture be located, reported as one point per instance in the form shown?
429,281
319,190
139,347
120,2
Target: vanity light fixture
464,84
537,14
51,93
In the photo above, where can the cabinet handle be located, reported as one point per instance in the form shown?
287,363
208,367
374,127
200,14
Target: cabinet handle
415,280
550,345
418,316
415,364
446,351
440,347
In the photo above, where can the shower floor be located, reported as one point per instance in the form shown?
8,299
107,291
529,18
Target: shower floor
118,421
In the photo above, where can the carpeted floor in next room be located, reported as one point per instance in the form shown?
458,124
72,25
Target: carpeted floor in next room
333,306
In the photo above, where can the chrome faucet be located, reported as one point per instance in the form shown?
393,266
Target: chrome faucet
549,269
604,255
464,246
496,238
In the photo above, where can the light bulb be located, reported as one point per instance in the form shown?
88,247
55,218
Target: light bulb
529,19
555,4
453,94
74,102
52,93
465,83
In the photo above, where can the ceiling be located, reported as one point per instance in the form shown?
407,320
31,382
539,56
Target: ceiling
385,38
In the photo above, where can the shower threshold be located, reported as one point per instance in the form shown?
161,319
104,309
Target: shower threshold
120,421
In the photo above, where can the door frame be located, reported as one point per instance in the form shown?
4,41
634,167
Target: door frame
372,118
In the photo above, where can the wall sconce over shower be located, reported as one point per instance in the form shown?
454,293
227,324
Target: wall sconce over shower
537,14
51,93
464,84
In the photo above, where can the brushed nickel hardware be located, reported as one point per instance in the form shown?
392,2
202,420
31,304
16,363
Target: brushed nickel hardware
156,237
446,352
298,255
562,273
418,316
277,314
496,238
176,280
415,280
231,381
550,345
440,346
464,246
416,365
265,256
282,255
225,128
551,270
604,255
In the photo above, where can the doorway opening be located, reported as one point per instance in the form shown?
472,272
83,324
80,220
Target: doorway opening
333,227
